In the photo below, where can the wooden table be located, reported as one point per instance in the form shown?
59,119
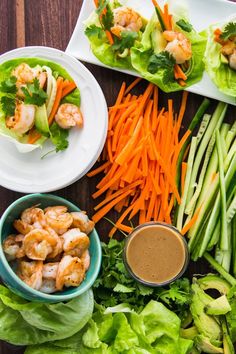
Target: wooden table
51,23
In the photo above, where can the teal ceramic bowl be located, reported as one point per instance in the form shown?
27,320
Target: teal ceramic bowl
14,282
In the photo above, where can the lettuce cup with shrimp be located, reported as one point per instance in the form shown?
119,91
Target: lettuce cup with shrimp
171,51
38,101
220,55
112,29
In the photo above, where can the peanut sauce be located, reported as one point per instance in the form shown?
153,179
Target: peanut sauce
155,253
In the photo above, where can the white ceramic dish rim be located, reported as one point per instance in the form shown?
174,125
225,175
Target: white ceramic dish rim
60,183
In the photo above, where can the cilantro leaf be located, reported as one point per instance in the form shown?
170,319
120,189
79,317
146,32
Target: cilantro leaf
95,31
105,14
163,60
8,105
229,31
59,137
34,94
9,85
126,41
186,26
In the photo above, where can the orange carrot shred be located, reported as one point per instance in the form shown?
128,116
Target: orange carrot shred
191,222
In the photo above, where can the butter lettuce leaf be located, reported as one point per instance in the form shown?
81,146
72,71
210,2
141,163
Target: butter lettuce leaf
220,73
23,322
154,330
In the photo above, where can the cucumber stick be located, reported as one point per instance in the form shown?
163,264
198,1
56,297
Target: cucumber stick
214,124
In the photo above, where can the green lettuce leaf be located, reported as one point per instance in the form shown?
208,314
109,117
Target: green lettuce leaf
220,73
23,322
152,43
5,73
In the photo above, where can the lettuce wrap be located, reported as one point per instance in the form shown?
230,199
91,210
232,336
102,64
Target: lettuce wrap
216,64
118,53
155,64
9,97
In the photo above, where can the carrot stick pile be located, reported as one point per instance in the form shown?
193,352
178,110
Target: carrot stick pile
140,159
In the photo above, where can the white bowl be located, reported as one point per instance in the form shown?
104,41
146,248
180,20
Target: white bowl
29,173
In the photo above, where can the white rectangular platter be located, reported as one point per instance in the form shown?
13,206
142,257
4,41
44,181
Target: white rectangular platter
201,12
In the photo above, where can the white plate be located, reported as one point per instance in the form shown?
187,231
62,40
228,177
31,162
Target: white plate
201,13
28,173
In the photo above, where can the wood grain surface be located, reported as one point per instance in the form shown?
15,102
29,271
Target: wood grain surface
51,23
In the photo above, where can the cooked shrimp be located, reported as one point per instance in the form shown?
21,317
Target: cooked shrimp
31,273
58,218
23,120
58,247
232,60
50,270
22,227
48,286
38,244
33,215
126,19
12,247
81,220
71,272
75,242
85,258
179,46
25,74
69,115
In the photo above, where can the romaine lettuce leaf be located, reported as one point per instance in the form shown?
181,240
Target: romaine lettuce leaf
152,43
23,322
220,73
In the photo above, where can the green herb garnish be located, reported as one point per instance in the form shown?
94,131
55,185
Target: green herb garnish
59,137
95,31
186,26
126,41
106,17
9,85
229,31
8,105
163,60
34,94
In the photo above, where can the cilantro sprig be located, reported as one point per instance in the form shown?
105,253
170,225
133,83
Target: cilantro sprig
59,137
34,94
163,60
105,14
185,25
8,104
126,41
95,31
229,31
9,85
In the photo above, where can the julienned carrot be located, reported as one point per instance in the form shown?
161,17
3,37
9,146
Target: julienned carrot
68,88
33,136
109,37
179,74
57,100
98,169
132,85
191,222
140,158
